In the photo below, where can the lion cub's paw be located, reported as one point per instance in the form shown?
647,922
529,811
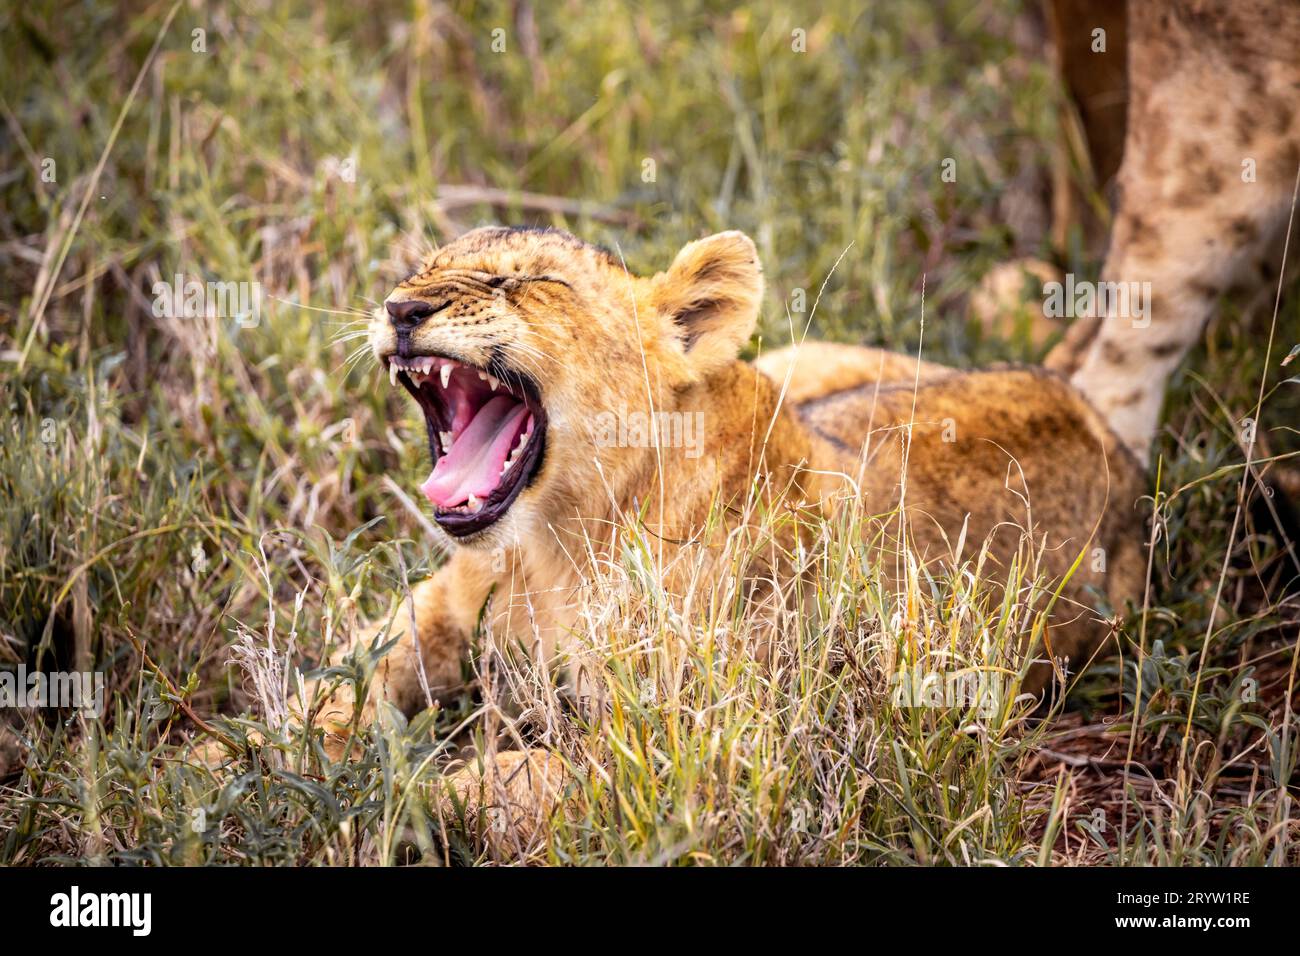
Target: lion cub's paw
514,793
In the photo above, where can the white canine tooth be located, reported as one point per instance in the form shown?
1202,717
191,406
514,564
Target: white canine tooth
506,466
445,373
474,503
445,438
392,374
493,382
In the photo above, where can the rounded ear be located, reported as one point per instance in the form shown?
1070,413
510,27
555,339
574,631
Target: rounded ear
711,296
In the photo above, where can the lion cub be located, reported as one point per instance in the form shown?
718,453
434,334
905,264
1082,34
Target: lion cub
542,367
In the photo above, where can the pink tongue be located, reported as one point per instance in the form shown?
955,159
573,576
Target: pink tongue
473,466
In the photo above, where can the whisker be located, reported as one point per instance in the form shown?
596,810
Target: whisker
354,358
317,308
348,335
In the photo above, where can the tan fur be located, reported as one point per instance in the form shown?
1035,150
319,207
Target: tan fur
1006,449
812,369
1212,100
512,794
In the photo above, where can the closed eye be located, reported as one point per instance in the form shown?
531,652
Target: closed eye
495,281
546,279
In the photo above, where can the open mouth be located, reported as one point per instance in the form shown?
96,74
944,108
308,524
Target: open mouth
486,435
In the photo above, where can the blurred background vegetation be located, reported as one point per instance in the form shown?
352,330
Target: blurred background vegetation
172,483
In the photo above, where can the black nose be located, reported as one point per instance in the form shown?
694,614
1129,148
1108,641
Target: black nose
407,315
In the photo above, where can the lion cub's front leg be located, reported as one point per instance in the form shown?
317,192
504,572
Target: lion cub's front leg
433,631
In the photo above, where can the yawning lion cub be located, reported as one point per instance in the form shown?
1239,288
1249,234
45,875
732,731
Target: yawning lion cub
522,346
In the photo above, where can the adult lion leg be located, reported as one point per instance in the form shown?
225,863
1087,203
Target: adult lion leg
432,630
1210,162
1089,42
